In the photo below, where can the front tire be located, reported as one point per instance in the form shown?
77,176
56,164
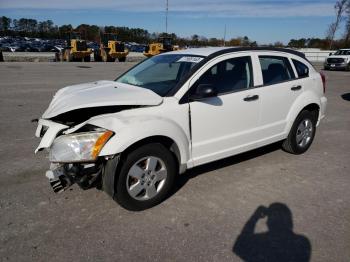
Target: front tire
146,177
301,134
122,59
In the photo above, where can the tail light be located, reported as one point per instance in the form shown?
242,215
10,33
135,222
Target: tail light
323,82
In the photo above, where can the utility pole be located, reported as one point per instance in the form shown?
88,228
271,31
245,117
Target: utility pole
225,36
166,16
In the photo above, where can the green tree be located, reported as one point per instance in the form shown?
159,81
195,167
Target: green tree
245,41
297,43
89,32
5,23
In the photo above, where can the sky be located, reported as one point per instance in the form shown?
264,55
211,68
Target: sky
265,21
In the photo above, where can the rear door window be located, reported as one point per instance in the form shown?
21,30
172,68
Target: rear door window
275,69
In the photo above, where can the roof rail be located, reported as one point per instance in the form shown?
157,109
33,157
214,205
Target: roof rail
240,49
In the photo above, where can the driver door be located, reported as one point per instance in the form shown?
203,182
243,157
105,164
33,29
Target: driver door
225,124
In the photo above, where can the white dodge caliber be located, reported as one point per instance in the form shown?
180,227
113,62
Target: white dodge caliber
132,137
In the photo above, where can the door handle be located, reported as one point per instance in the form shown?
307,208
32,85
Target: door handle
251,98
295,88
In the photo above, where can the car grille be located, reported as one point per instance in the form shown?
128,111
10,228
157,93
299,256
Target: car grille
335,60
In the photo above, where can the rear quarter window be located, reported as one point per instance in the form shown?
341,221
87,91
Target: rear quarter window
302,69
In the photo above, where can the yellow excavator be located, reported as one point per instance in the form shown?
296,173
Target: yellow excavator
76,49
164,44
111,49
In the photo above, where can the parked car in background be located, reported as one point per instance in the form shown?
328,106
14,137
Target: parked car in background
340,60
132,137
25,44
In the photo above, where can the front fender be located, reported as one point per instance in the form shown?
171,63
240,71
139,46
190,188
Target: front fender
135,128
305,99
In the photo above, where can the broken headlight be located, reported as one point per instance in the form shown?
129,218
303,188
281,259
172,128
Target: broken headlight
79,147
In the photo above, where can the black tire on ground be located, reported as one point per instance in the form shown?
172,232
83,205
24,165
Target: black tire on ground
122,59
290,145
57,57
105,56
62,56
68,55
97,57
122,195
87,58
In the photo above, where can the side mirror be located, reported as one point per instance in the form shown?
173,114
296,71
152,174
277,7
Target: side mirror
330,54
204,91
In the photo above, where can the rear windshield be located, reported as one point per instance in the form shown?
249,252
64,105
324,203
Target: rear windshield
160,73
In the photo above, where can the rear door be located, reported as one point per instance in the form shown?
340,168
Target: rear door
279,89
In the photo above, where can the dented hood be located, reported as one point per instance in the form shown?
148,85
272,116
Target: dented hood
100,94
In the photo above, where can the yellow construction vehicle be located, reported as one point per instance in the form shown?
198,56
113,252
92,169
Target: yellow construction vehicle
111,49
164,44
76,49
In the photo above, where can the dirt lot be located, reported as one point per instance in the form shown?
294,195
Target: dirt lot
200,221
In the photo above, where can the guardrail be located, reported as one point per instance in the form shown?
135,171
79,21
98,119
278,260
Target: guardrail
316,56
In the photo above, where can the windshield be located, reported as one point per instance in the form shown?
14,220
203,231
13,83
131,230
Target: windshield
342,52
160,73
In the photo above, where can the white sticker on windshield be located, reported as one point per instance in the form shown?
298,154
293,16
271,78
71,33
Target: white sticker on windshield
190,59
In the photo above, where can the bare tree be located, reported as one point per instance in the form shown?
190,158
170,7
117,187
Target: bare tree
347,26
340,8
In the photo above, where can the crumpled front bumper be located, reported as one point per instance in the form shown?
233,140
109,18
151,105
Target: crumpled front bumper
48,131
62,176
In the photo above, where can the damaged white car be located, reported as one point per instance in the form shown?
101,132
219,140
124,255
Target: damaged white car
133,136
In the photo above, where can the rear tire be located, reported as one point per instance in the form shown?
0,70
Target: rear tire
301,134
141,184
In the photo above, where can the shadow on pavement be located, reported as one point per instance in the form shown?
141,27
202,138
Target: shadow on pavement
279,243
346,96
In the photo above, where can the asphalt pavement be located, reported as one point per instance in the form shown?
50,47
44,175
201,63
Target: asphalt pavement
210,215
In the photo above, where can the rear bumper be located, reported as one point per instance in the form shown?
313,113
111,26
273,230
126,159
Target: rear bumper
322,109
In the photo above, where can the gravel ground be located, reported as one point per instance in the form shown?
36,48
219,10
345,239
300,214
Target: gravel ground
201,220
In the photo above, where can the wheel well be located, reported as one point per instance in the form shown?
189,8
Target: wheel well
164,140
313,108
